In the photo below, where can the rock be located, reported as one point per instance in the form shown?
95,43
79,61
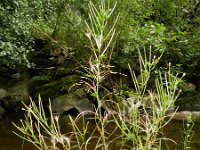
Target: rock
84,105
195,106
75,99
189,101
16,94
187,86
184,115
55,88
3,93
2,111
130,104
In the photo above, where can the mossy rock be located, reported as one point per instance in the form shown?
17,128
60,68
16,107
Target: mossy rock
37,81
55,88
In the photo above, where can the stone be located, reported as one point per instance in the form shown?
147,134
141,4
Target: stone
187,86
16,94
68,101
3,93
184,115
2,111
55,88
84,105
195,106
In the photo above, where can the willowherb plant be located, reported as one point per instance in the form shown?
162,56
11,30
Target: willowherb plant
147,65
42,131
141,125
188,132
100,33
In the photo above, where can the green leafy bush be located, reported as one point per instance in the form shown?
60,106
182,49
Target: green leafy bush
15,34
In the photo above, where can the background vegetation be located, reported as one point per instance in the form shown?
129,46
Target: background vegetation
33,30
45,40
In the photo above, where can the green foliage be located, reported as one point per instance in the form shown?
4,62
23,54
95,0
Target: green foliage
23,22
58,21
15,36
41,77
171,26
139,128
